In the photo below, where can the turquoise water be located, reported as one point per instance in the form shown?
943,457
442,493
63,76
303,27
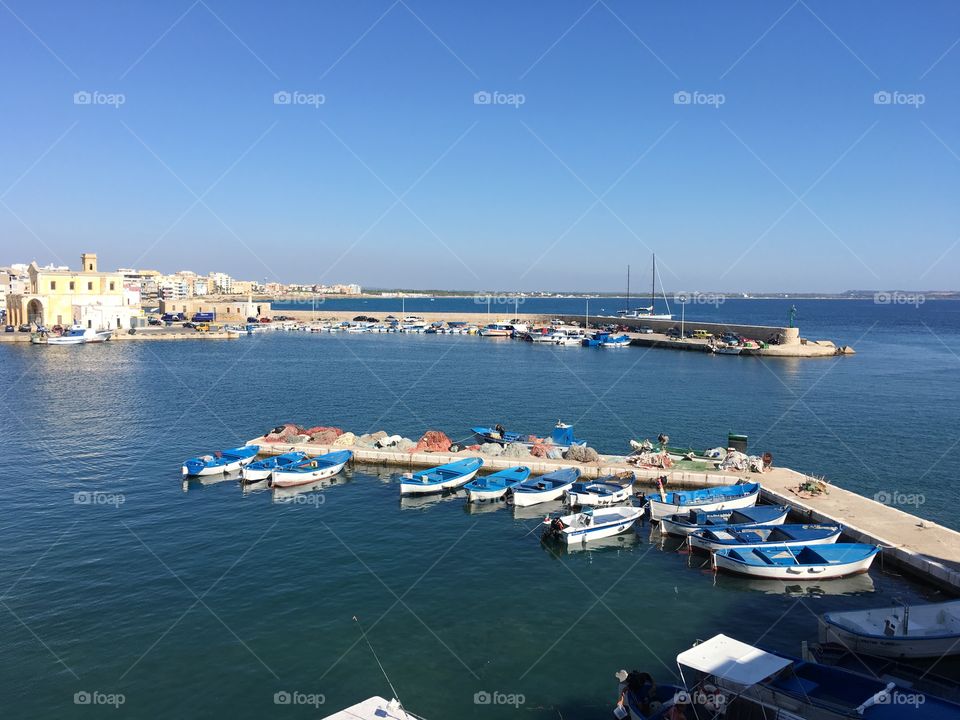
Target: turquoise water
104,597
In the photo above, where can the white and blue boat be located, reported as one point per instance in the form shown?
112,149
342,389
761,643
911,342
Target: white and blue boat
726,497
494,487
220,462
607,490
311,469
590,524
615,341
710,539
440,478
551,486
561,437
807,562
693,520
263,469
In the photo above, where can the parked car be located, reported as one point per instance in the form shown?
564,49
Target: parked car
390,318
645,330
701,334
252,319
189,325
9,328
154,321
265,320
26,327
673,333
202,327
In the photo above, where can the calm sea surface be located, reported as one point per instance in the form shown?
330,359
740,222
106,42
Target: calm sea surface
206,601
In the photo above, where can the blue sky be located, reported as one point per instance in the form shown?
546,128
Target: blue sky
783,172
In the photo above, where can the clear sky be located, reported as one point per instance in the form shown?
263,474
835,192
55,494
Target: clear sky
784,170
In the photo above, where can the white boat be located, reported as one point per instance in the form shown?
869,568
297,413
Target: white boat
311,469
725,497
727,349
263,469
545,488
718,538
441,478
804,563
497,330
603,491
901,631
568,339
591,524
79,336
374,708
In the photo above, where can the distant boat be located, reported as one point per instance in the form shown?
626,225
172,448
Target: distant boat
311,469
440,478
220,462
798,563
694,520
263,469
494,487
591,524
902,631
79,336
497,330
561,437
551,486
726,497
615,341
764,536
727,350
607,490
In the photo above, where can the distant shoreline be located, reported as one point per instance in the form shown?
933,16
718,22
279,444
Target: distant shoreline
501,296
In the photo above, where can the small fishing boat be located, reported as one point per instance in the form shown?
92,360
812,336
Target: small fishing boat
770,685
727,349
79,336
615,341
220,462
694,520
374,708
440,478
497,330
595,339
642,699
903,631
561,437
710,539
726,497
311,469
607,490
797,563
551,486
591,524
566,338
494,487
263,469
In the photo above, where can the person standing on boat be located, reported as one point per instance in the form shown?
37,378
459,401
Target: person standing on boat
500,430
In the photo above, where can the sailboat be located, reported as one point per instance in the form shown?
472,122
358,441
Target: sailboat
646,313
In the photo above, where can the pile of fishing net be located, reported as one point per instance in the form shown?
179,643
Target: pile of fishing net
651,459
433,441
581,453
321,435
286,433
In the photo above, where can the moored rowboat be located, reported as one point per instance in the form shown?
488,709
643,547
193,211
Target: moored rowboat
728,497
263,469
764,535
607,490
311,469
591,524
551,486
798,563
221,462
440,478
694,520
494,487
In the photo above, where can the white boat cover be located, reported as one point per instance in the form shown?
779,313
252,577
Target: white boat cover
374,708
732,660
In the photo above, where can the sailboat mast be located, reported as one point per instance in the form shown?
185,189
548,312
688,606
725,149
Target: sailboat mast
628,288
653,284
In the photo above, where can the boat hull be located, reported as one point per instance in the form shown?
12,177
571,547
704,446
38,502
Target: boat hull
419,488
288,478
793,572
222,469
601,529
526,499
865,632
703,544
660,509
593,499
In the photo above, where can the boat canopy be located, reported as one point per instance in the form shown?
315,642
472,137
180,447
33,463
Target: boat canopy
732,660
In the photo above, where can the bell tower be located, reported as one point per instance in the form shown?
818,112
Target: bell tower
88,262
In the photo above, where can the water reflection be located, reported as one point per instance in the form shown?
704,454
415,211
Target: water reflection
422,502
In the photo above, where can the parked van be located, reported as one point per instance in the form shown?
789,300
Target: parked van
702,334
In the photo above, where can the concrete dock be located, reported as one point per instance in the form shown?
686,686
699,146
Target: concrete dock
924,549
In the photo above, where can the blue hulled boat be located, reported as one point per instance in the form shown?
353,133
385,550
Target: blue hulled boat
561,437
494,487
808,562
764,535
694,520
551,486
440,478
263,469
220,462
726,497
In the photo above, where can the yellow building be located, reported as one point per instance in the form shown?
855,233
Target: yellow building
87,297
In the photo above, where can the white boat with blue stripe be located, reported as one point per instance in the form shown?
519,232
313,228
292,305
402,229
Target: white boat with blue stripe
582,527
494,487
551,486
311,469
440,478
719,538
263,469
726,497
221,462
